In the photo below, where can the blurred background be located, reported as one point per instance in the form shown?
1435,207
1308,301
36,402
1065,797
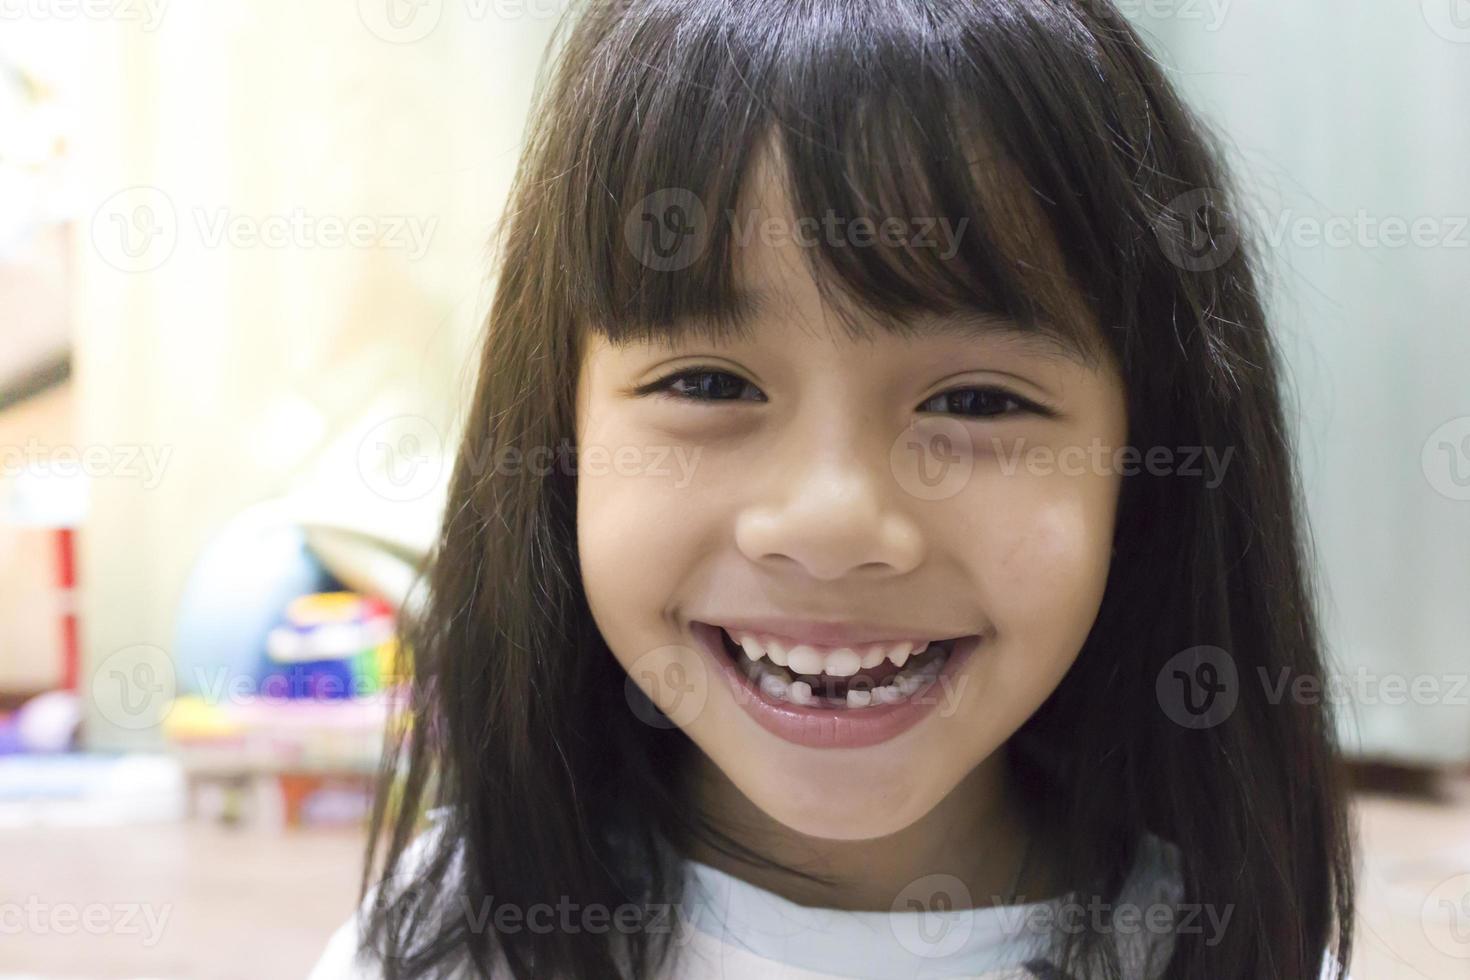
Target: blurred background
243,264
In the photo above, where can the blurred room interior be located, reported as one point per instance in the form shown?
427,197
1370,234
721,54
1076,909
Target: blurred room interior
242,267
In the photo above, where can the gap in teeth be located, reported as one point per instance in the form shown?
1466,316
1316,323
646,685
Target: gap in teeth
781,683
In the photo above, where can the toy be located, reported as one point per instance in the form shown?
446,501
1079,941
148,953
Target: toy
330,646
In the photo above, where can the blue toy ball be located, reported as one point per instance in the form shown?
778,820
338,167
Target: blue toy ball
237,591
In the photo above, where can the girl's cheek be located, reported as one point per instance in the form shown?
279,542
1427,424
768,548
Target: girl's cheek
639,527
1038,545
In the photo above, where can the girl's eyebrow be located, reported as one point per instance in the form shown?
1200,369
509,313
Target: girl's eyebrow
737,323
1042,340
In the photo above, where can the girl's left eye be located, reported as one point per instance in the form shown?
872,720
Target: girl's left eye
981,402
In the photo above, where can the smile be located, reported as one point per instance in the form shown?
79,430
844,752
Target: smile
834,697
841,677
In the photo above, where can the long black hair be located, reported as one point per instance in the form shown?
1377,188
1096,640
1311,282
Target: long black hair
1087,185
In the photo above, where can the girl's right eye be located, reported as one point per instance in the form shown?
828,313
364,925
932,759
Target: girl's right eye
700,385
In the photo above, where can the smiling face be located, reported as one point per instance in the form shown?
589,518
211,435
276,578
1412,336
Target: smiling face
883,487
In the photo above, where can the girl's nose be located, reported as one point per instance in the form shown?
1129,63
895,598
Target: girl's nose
839,517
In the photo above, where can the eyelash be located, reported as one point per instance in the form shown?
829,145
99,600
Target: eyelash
664,387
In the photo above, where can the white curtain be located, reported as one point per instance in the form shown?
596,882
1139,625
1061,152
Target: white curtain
1350,130
297,260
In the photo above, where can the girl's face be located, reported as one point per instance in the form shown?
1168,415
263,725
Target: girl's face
835,491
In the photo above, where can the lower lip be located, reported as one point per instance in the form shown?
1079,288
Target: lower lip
831,728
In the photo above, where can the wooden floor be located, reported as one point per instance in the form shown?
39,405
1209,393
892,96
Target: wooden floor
1414,901
231,904
202,902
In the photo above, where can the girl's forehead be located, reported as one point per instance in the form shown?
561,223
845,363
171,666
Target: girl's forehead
779,296
778,275
863,238
776,319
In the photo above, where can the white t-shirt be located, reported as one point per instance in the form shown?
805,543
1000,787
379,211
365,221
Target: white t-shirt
729,929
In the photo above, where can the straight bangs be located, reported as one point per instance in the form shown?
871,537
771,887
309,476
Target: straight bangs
919,160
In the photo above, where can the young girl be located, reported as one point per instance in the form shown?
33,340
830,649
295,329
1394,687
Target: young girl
874,544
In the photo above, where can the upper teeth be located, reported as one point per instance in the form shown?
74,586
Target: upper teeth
804,658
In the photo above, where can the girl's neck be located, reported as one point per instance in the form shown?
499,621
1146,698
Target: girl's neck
978,834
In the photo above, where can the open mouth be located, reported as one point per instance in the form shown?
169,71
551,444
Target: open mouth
874,675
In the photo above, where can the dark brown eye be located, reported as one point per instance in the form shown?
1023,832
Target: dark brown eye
978,402
703,386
